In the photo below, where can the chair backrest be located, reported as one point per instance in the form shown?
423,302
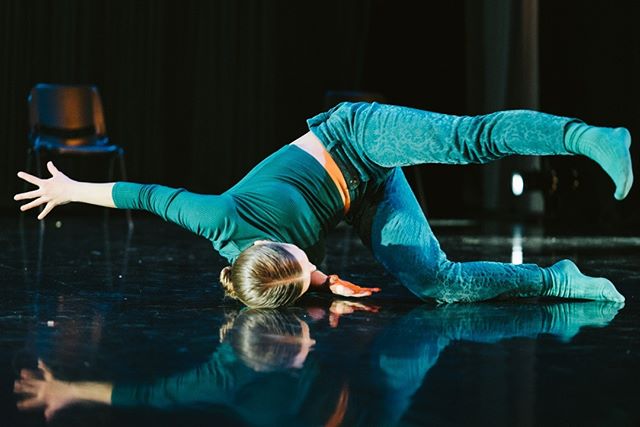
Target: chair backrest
72,112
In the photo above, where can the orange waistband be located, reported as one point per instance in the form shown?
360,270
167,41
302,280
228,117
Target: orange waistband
338,178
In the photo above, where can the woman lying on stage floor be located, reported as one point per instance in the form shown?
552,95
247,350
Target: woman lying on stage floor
271,225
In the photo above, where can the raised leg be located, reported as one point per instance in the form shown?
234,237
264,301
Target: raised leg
390,136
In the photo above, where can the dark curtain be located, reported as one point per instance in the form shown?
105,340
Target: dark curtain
504,74
197,92
589,67
571,58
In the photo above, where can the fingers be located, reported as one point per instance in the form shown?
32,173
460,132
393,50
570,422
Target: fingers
341,307
28,374
29,178
361,294
340,290
52,169
48,413
25,386
37,202
363,307
28,195
355,287
28,404
371,308
348,292
334,319
48,376
46,210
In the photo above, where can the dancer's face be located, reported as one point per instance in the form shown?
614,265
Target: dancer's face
301,257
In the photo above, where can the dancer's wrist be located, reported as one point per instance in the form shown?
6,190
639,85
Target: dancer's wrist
330,280
319,280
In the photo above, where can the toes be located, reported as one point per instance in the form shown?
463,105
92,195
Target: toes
626,136
623,188
610,293
617,297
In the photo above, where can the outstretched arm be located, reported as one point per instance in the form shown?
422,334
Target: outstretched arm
45,391
206,215
60,190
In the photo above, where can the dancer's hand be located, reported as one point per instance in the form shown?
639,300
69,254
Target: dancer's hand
46,392
341,307
54,191
345,288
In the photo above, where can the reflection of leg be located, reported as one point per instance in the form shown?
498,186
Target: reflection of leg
491,323
402,355
566,319
404,244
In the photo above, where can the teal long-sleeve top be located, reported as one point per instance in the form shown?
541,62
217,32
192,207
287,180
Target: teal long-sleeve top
288,197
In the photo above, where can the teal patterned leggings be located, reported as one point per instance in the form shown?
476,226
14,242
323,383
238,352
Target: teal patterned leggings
389,137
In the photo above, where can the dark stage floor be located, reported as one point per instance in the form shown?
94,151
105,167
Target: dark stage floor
144,313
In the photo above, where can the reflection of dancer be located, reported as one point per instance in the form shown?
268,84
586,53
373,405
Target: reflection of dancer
347,166
262,370
262,352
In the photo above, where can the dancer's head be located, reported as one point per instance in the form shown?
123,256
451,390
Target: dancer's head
268,274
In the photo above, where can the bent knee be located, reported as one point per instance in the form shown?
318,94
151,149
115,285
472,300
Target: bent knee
431,281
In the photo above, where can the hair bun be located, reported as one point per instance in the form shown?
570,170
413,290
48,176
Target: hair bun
227,284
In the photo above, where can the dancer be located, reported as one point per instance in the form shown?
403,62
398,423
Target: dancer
271,225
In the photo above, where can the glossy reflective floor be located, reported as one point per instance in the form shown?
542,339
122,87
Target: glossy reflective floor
142,315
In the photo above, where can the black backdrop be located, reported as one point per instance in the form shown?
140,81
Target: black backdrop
197,92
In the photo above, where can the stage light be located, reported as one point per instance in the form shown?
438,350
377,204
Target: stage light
517,184
526,182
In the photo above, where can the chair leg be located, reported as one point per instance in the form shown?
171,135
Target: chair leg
112,160
28,165
123,174
38,164
39,174
109,179
27,169
107,250
41,236
127,246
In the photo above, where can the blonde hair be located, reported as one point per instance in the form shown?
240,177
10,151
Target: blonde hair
261,337
264,276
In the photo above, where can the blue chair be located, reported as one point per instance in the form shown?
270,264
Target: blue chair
68,120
